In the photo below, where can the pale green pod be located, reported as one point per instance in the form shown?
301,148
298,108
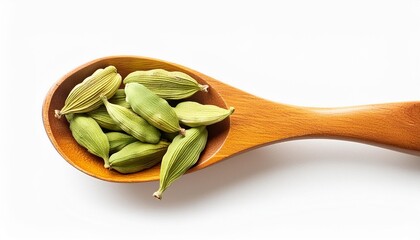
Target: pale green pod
194,114
138,156
152,108
119,98
85,96
181,155
118,140
89,134
102,117
132,123
170,85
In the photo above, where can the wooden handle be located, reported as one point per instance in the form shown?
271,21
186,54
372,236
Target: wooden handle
258,122
393,125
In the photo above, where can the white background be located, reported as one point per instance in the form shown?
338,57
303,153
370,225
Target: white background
311,53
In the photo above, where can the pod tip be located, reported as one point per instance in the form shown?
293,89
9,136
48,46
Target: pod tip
231,110
57,114
204,88
182,131
158,195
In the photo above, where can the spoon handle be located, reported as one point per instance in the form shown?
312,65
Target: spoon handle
258,122
391,125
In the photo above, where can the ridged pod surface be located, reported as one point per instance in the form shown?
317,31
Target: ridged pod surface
194,114
102,117
171,85
119,98
152,108
138,156
85,96
132,123
118,140
89,134
181,155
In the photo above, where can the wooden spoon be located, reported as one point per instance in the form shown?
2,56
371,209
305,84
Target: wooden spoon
256,122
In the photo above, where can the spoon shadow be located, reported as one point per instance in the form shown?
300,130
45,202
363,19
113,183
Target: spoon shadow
218,180
197,187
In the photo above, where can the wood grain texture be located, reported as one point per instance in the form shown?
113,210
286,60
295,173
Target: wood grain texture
256,122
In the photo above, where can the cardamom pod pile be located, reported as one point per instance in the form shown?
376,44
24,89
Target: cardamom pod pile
132,125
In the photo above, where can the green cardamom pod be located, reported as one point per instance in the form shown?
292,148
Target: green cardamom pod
85,96
132,123
181,155
137,156
118,140
119,98
194,114
102,117
89,135
171,85
152,108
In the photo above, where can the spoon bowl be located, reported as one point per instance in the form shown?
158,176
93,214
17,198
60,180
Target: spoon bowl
256,122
